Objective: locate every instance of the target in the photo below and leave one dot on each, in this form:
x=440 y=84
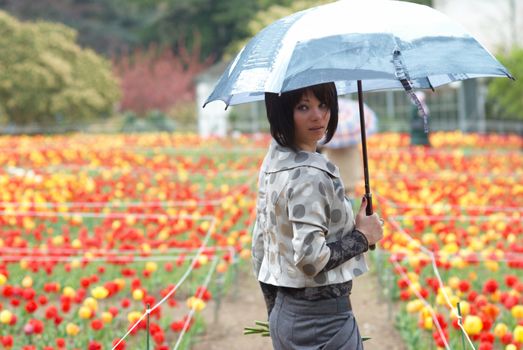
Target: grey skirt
x=313 y=325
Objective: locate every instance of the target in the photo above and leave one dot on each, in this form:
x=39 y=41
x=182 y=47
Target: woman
x=307 y=244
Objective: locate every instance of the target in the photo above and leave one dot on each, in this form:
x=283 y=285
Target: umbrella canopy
x=348 y=132
x=386 y=44
x=360 y=45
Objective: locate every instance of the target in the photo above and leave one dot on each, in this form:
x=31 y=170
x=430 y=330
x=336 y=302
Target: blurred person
x=308 y=244
x=344 y=148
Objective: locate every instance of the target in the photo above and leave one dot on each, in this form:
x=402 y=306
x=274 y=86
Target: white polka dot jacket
x=304 y=236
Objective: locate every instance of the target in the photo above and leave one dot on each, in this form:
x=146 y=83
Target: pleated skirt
x=313 y=325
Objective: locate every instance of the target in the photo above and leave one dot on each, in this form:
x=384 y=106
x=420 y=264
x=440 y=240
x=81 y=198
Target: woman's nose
x=318 y=113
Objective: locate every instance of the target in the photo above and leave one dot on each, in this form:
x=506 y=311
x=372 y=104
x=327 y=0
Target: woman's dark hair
x=280 y=111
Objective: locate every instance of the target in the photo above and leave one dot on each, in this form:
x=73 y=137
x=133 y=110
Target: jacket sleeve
x=308 y=210
x=351 y=245
x=257 y=248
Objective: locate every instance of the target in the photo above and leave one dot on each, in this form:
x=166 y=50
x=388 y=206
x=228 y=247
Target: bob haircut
x=280 y=112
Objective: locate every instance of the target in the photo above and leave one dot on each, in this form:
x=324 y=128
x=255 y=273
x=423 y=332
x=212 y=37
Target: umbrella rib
x=403 y=77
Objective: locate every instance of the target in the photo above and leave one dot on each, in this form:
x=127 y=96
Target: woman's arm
x=351 y=245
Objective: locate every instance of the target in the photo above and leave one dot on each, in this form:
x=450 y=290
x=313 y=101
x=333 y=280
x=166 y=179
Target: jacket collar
x=283 y=158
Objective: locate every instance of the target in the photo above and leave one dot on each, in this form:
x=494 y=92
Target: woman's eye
x=302 y=107
x=323 y=105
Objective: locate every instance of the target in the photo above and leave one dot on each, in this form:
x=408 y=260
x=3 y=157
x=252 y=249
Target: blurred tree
x=108 y=26
x=506 y=96
x=157 y=79
x=217 y=22
x=115 y=26
x=46 y=77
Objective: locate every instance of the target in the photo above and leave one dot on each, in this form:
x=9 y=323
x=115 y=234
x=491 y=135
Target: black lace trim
x=345 y=249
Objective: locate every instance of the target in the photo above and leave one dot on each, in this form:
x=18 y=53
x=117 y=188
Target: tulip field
x=119 y=241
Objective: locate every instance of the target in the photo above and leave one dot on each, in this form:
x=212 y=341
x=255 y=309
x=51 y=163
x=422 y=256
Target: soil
x=244 y=303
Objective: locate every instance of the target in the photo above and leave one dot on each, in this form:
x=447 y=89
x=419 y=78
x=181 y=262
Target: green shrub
x=505 y=95
x=46 y=78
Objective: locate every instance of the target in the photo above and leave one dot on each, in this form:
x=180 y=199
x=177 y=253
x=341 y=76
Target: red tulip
x=94 y=345
x=31 y=306
x=97 y=324
x=7 y=341
x=125 y=303
x=490 y=286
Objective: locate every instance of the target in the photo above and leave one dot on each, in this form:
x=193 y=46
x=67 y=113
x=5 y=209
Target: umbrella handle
x=368 y=195
x=369 y=211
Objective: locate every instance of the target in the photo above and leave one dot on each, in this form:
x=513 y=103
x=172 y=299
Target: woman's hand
x=371 y=226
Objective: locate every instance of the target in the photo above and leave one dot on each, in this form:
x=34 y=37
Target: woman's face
x=311 y=118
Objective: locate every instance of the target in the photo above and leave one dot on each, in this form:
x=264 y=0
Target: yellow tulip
x=245 y=239
x=23 y=264
x=138 y=294
x=492 y=265
x=196 y=304
x=133 y=316
x=85 y=312
x=120 y=282
x=130 y=220
x=205 y=225
x=72 y=329
x=58 y=240
x=116 y=224
x=76 y=263
x=511 y=347
x=76 y=243
x=69 y=292
x=146 y=248
x=245 y=254
x=414 y=305
x=3 y=279
x=518 y=333
x=500 y=330
x=427 y=323
x=464 y=306
x=517 y=312
x=91 y=303
x=5 y=316
x=99 y=292
x=203 y=259
x=27 y=282
x=222 y=267
x=107 y=317
x=151 y=266
x=473 y=324
x=495 y=297
x=454 y=282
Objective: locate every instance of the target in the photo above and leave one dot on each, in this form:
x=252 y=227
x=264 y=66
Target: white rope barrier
x=100 y=215
x=192 y=312
x=424 y=301
x=440 y=282
x=443 y=151
x=449 y=206
x=480 y=218
x=127 y=204
x=173 y=290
